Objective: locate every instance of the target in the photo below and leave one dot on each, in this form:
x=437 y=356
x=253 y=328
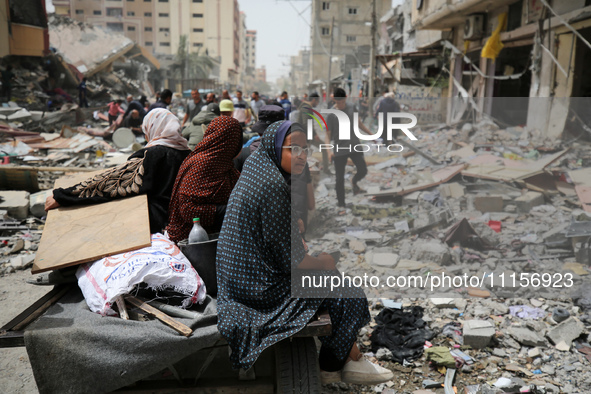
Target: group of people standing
x=244 y=192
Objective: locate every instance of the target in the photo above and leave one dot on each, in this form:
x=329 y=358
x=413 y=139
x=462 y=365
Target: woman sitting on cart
x=259 y=244
x=151 y=170
x=205 y=180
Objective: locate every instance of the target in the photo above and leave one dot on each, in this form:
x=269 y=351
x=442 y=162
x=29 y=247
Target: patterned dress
x=258 y=246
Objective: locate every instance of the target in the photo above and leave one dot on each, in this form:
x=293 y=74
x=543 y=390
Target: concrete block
x=37 y=203
x=529 y=200
x=478 y=333
x=431 y=250
x=566 y=332
x=526 y=337
x=21 y=115
x=488 y=203
x=453 y=190
x=15 y=202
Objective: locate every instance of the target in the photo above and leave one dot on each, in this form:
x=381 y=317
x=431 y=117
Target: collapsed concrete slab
x=15 y=202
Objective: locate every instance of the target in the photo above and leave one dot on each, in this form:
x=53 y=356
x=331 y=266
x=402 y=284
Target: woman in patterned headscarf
x=150 y=171
x=205 y=180
x=258 y=248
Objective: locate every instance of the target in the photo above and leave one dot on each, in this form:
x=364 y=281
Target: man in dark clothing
x=344 y=149
x=268 y=114
x=286 y=104
x=7 y=77
x=82 y=97
x=134 y=122
x=388 y=104
x=164 y=100
x=135 y=106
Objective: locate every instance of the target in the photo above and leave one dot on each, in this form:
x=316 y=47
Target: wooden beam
x=164 y=318
x=54 y=295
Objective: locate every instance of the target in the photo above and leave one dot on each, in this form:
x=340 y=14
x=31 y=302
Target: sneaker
x=365 y=372
x=330 y=377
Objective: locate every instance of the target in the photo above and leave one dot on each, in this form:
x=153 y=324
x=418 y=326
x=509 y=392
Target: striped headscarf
x=162 y=127
x=206 y=178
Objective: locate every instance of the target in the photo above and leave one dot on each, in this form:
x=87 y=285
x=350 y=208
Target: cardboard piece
x=76 y=235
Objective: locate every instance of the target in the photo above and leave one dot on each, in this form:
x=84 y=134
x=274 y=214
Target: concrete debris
x=478 y=333
x=16 y=203
x=526 y=337
x=566 y=332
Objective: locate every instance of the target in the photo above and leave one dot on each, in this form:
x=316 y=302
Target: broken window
x=27 y=12
x=115 y=26
x=116 y=12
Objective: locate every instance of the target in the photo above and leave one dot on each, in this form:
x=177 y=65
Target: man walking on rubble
x=164 y=100
x=82 y=97
x=256 y=104
x=193 y=106
x=343 y=149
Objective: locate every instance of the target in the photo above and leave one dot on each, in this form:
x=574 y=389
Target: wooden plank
x=31 y=309
x=164 y=318
x=76 y=235
x=41 y=310
x=12 y=339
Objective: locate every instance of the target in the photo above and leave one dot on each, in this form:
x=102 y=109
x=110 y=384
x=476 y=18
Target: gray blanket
x=73 y=350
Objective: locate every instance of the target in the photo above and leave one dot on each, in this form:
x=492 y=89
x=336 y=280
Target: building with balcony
x=541 y=64
x=25 y=32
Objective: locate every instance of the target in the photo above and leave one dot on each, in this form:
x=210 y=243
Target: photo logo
x=392 y=120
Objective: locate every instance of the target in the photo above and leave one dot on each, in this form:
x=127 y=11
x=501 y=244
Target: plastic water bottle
x=198 y=233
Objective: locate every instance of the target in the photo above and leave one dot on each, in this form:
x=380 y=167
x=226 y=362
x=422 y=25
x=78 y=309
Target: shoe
x=356 y=189
x=365 y=372
x=330 y=377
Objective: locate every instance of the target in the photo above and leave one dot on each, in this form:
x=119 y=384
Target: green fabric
x=194 y=132
x=440 y=355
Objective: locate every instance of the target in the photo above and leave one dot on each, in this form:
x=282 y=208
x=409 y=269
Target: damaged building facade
x=25 y=32
x=529 y=52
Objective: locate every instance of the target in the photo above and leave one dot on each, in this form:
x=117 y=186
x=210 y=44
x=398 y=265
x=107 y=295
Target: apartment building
x=351 y=35
x=211 y=26
x=24 y=32
x=542 y=64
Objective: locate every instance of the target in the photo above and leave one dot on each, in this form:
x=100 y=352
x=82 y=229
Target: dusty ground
x=16 y=376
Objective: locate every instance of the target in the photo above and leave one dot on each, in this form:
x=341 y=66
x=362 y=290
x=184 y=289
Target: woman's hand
x=328 y=262
x=50 y=203
x=301 y=226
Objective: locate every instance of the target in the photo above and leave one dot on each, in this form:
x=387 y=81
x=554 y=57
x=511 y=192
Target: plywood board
x=76 y=235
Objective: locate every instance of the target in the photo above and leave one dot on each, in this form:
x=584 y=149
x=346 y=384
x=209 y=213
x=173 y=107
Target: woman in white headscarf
x=151 y=171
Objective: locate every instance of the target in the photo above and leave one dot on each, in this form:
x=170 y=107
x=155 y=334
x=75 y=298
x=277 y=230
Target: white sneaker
x=365 y=372
x=330 y=377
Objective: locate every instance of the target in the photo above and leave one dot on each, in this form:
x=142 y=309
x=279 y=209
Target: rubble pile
x=516 y=205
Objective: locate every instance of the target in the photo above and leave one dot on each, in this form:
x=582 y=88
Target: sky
x=281 y=33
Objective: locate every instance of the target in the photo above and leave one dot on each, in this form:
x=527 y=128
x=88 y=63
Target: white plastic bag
x=159 y=266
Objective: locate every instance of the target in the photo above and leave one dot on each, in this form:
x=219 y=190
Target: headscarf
x=206 y=178
x=258 y=245
x=162 y=127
